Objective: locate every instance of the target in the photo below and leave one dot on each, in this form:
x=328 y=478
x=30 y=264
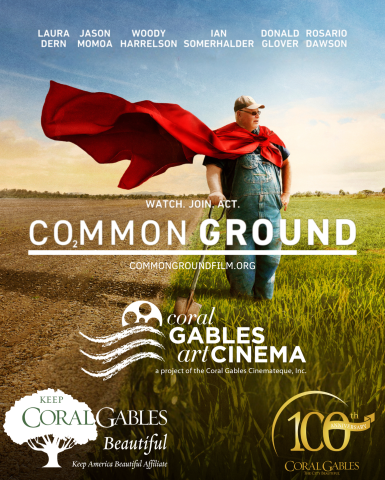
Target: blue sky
x=319 y=100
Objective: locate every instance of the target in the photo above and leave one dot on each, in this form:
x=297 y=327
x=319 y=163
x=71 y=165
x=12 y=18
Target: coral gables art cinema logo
x=194 y=330
x=50 y=421
x=304 y=427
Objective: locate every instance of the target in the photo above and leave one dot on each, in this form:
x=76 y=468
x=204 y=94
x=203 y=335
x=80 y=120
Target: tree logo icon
x=50 y=421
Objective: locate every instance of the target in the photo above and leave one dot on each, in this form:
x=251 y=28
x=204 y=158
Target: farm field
x=219 y=424
x=46 y=301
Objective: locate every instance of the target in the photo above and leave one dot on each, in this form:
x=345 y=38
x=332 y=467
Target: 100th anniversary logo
x=313 y=431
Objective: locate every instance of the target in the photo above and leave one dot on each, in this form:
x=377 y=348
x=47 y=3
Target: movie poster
x=132 y=347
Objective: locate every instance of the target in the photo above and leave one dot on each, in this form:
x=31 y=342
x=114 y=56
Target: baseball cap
x=245 y=101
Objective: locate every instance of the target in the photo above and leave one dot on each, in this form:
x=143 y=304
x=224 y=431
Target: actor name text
x=155 y=38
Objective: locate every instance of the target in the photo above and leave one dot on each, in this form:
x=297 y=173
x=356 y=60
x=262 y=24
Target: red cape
x=154 y=136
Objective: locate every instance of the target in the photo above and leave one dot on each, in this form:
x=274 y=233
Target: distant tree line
x=317 y=193
x=21 y=193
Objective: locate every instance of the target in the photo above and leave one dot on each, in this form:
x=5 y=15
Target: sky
x=327 y=104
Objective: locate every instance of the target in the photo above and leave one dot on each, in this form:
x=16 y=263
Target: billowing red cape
x=154 y=136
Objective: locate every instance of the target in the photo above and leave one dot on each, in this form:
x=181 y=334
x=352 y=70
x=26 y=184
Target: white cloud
x=54 y=166
x=328 y=154
x=20 y=75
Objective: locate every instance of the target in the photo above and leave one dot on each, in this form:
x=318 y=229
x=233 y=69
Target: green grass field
x=219 y=425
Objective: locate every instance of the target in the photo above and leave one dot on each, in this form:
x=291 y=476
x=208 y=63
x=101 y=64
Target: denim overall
x=257 y=189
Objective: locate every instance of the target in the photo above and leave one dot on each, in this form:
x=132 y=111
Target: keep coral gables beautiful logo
x=50 y=421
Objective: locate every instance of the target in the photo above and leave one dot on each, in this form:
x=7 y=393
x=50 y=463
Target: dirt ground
x=46 y=300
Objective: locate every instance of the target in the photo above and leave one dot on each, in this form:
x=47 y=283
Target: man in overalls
x=254 y=182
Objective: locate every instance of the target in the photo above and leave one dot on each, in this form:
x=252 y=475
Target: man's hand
x=213 y=175
x=286 y=183
x=216 y=197
x=285 y=198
